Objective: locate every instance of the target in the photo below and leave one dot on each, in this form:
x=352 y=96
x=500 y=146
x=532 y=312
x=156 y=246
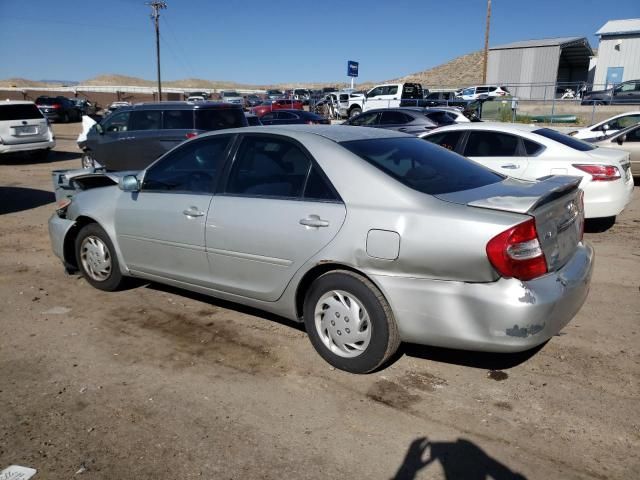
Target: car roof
x=16 y=102
x=336 y=133
x=495 y=126
x=182 y=106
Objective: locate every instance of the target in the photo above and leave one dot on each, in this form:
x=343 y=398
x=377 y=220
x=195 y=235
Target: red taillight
x=600 y=173
x=56 y=105
x=191 y=134
x=517 y=252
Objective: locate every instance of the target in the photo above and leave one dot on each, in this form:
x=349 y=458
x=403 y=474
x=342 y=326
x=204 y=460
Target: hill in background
x=459 y=72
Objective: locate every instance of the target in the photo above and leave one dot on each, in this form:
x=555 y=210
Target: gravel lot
x=159 y=383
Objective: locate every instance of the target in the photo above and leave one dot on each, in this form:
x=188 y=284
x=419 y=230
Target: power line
x=156 y=6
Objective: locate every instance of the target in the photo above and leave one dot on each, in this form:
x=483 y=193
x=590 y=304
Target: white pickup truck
x=387 y=95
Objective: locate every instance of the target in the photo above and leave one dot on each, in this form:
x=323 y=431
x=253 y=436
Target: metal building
x=618 y=52
x=532 y=68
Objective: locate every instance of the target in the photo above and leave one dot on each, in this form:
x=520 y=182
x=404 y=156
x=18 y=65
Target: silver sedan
x=369 y=237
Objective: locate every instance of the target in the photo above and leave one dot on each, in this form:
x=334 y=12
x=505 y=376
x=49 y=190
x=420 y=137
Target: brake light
x=600 y=173
x=517 y=252
x=55 y=105
x=191 y=134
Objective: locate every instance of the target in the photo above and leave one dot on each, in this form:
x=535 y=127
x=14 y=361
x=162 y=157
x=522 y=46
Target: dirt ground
x=157 y=383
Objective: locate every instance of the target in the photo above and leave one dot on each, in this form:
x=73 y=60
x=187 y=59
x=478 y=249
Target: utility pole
x=486 y=43
x=156 y=6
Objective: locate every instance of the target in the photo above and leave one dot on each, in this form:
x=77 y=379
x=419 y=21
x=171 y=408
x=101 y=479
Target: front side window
x=191 y=168
x=268 y=167
x=375 y=92
x=117 y=122
x=286 y=116
x=624 y=122
x=365 y=119
x=421 y=165
x=145 y=120
x=268 y=116
x=491 y=144
x=392 y=90
x=468 y=91
x=633 y=135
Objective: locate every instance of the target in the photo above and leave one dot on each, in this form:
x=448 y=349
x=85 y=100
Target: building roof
x=543 y=42
x=620 y=27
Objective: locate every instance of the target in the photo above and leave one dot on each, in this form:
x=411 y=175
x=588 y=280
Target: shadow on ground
x=461 y=459
x=17 y=199
x=33 y=159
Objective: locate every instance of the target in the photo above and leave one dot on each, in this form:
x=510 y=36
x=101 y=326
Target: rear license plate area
x=26 y=130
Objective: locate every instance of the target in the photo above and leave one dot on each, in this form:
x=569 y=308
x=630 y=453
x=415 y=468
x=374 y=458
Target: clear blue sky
x=262 y=42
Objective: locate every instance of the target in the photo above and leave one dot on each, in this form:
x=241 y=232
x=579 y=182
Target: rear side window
x=268 y=167
x=318 y=188
x=441 y=118
x=421 y=165
x=391 y=117
x=532 y=148
x=412 y=91
x=448 y=140
x=145 y=120
x=25 y=111
x=209 y=119
x=566 y=140
x=491 y=144
x=365 y=119
x=178 y=120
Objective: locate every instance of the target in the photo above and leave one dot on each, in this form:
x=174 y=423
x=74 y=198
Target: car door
x=276 y=211
x=177 y=126
x=501 y=152
x=631 y=144
x=375 y=98
x=161 y=228
x=143 y=142
x=626 y=93
x=451 y=140
x=107 y=143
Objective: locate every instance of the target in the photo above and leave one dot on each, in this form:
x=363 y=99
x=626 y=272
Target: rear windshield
x=26 y=111
x=570 y=142
x=219 y=119
x=47 y=100
x=412 y=91
x=422 y=165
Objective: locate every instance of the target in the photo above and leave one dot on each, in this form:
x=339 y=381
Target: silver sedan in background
x=368 y=236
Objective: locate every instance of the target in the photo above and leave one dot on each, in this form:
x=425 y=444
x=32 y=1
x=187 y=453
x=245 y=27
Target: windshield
x=421 y=165
x=566 y=140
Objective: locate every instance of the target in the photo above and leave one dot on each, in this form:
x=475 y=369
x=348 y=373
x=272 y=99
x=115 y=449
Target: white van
x=23 y=128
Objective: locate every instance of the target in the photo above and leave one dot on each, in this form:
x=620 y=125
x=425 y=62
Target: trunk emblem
x=24 y=122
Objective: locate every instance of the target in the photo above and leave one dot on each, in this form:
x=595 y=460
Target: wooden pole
x=486 y=43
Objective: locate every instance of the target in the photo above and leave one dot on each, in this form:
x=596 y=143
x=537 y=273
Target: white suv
x=23 y=128
x=473 y=93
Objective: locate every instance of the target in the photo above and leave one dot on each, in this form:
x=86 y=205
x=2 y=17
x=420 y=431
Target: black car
x=623 y=93
x=409 y=120
x=133 y=137
x=59 y=109
x=292 y=117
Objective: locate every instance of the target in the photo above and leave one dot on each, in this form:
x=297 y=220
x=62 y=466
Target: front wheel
x=349 y=322
x=354 y=112
x=96 y=258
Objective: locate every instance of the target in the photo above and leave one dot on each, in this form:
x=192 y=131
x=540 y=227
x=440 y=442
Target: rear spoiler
x=513 y=195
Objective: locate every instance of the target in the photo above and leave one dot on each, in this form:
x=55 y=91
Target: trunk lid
x=22 y=123
x=554 y=202
x=612 y=156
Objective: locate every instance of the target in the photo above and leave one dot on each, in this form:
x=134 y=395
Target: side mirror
x=129 y=183
x=621 y=139
x=99 y=129
x=605 y=127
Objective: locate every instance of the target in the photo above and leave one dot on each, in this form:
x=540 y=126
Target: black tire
x=384 y=337
x=114 y=280
x=65 y=118
x=354 y=112
x=599 y=225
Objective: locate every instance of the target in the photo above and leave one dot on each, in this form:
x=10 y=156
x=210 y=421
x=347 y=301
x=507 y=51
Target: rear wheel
x=349 y=322
x=96 y=258
x=354 y=111
x=65 y=118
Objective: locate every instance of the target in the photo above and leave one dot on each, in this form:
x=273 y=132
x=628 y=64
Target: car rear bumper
x=606 y=199
x=58 y=229
x=27 y=147
x=507 y=315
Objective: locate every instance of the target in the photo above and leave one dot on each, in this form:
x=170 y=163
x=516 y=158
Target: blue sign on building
x=352 y=68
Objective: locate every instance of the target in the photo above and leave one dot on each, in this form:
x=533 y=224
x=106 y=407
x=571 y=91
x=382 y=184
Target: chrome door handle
x=511 y=166
x=193 y=212
x=314 y=221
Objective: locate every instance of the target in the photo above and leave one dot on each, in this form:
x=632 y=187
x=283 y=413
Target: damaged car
x=369 y=237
